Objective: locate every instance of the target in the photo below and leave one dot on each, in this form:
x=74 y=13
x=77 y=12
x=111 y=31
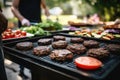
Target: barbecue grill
x=60 y=70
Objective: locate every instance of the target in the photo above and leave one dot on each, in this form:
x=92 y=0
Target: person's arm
x=15 y=10
x=43 y=4
x=17 y=14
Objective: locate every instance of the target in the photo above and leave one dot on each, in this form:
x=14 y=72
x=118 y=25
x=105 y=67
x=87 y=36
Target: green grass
x=63 y=19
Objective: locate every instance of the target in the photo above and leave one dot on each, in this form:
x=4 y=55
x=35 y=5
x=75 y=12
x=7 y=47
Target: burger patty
x=113 y=48
x=61 y=55
x=91 y=44
x=24 y=45
x=41 y=50
x=76 y=40
x=76 y=48
x=59 y=44
x=44 y=41
x=57 y=38
x=99 y=53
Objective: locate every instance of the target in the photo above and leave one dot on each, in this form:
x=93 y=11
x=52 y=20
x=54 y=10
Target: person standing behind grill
x=3 y=26
x=28 y=11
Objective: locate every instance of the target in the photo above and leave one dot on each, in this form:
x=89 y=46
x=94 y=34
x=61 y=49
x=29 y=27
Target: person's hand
x=25 y=22
x=47 y=12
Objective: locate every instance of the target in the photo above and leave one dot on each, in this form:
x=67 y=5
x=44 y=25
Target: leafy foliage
x=109 y=9
x=53 y=3
x=42 y=28
x=50 y=25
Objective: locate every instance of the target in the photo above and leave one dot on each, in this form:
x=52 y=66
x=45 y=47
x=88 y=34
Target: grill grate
x=108 y=64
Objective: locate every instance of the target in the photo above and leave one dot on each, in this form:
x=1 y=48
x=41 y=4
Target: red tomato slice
x=23 y=33
x=88 y=63
x=8 y=30
x=3 y=37
x=18 y=31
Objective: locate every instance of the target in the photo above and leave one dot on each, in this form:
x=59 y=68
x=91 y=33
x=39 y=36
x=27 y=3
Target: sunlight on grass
x=63 y=19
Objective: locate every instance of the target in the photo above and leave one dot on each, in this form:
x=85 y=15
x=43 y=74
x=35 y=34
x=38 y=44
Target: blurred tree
x=59 y=3
x=53 y=3
x=109 y=9
x=81 y=8
x=75 y=7
x=0 y=2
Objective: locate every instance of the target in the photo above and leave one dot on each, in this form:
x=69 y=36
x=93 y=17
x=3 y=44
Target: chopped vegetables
x=94 y=33
x=50 y=25
x=8 y=34
x=34 y=30
x=42 y=28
